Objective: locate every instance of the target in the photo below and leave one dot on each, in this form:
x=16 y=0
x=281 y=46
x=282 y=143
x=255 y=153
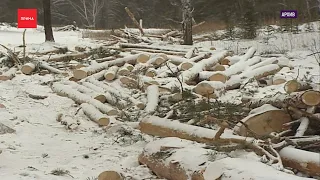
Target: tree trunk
x=187 y=22
x=47 y=20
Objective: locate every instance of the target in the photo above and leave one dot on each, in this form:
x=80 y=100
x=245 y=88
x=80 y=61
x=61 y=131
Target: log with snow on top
x=282 y=76
x=128 y=45
x=28 y=68
x=262 y=121
x=190 y=53
x=295 y=85
x=242 y=65
x=304 y=161
x=217 y=67
x=111 y=73
x=68 y=91
x=210 y=89
x=258 y=73
x=190 y=62
x=117 y=92
x=177 y=60
x=83 y=89
x=184 y=160
x=46 y=66
x=87 y=71
x=263 y=62
x=109 y=98
x=123 y=71
x=230 y=60
x=95 y=115
x=129 y=82
x=9 y=74
x=213 y=76
x=130 y=67
x=153 y=51
x=303 y=99
x=169 y=34
x=158 y=59
x=152 y=98
x=189 y=75
x=162 y=127
x=167 y=70
x=304 y=122
x=151 y=72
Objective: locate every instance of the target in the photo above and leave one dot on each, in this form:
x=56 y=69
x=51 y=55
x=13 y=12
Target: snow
x=237 y=168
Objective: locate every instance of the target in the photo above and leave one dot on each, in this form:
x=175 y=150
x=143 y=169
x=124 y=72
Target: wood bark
x=47 y=20
x=187 y=22
x=95 y=115
x=111 y=73
x=67 y=91
x=28 y=68
x=152 y=98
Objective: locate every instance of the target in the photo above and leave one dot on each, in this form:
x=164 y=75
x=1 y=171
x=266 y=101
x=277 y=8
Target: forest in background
x=218 y=14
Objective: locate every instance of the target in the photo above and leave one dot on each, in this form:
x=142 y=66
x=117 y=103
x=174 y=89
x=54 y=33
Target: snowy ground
x=41 y=144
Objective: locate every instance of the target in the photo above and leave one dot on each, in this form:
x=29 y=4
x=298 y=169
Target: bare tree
x=187 y=22
x=88 y=10
x=47 y=20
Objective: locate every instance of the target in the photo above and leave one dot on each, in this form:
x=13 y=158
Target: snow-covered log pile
x=174 y=90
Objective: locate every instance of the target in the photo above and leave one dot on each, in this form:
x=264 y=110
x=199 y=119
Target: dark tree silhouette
x=47 y=20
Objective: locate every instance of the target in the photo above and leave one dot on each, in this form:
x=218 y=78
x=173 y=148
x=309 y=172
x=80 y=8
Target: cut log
x=304 y=123
x=8 y=75
x=109 y=98
x=263 y=62
x=95 y=115
x=151 y=72
x=230 y=60
x=111 y=73
x=143 y=58
x=151 y=51
x=258 y=73
x=83 y=89
x=114 y=91
x=152 y=98
x=129 y=82
x=262 y=121
x=208 y=88
x=177 y=159
x=123 y=71
x=169 y=34
x=304 y=161
x=186 y=65
x=87 y=71
x=161 y=127
x=302 y=99
x=200 y=66
x=128 y=45
x=242 y=65
x=175 y=165
x=158 y=60
x=190 y=53
x=28 y=68
x=130 y=67
x=110 y=175
x=281 y=77
x=190 y=62
x=295 y=85
x=46 y=66
x=218 y=67
x=67 y=91
x=218 y=76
